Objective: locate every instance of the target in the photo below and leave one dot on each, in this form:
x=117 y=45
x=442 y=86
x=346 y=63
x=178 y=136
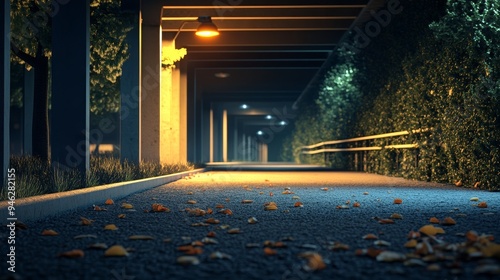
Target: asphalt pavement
x=221 y=225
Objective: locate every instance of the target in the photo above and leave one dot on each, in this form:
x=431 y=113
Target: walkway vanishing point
x=218 y=219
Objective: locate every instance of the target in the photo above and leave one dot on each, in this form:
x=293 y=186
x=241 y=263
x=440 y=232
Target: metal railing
x=360 y=145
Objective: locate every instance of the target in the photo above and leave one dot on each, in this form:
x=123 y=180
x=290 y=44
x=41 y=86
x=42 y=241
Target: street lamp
x=206 y=29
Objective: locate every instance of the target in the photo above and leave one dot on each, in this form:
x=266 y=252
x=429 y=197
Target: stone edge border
x=42 y=206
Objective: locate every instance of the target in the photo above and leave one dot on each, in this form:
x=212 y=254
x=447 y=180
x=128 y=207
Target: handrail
x=363 y=138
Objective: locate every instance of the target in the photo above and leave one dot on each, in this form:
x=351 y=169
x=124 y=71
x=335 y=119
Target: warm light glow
x=222 y=75
x=207 y=29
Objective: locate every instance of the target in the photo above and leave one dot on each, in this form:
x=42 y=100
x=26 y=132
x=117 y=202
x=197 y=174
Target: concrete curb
x=41 y=206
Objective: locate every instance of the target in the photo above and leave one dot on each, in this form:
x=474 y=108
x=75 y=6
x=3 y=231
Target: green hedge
x=430 y=68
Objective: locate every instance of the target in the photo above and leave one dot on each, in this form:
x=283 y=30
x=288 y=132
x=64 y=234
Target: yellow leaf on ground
x=449 y=221
x=109 y=201
x=127 y=205
x=315 y=261
x=474 y=198
x=270 y=252
x=370 y=236
x=396 y=216
x=431 y=230
x=73 y=254
x=356 y=204
x=398 y=201
x=434 y=220
x=298 y=204
x=191 y=201
x=157 y=207
x=411 y=244
x=116 y=251
x=110 y=227
x=121 y=216
x=85 y=221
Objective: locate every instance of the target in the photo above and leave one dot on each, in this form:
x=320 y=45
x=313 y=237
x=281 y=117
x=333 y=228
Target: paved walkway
x=298 y=239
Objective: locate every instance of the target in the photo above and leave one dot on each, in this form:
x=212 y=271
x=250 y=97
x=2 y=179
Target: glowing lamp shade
x=207 y=29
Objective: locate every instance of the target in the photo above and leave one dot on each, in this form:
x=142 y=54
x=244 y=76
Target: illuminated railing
x=360 y=145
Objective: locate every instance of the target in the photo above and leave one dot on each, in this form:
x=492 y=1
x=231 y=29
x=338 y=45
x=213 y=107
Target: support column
x=130 y=90
x=150 y=106
x=183 y=107
x=211 y=134
x=28 y=99
x=224 y=135
x=70 y=85
x=5 y=80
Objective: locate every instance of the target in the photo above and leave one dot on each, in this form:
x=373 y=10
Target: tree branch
x=22 y=55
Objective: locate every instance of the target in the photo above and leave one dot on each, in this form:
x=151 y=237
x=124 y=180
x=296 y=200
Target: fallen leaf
x=365 y=193
x=270 y=206
x=190 y=250
x=471 y=236
x=413 y=235
x=121 y=216
x=85 y=221
x=298 y=204
x=226 y=211
x=370 y=236
x=234 y=231
x=287 y=192
x=212 y=221
x=343 y=206
x=127 y=205
x=381 y=243
x=188 y=260
x=270 y=252
x=246 y=201
x=385 y=221
x=295 y=197
x=157 y=207
x=411 y=243
x=448 y=221
x=315 y=261
x=110 y=227
x=98 y=208
x=73 y=254
x=191 y=201
x=116 y=251
x=398 y=201
x=356 y=204
x=430 y=230
x=219 y=206
x=109 y=201
x=324 y=189
x=370 y=252
x=396 y=216
x=476 y=185
x=141 y=237
x=49 y=232
x=208 y=240
x=482 y=205
x=252 y=220
x=434 y=220
x=474 y=198
x=211 y=234
x=337 y=246
x=459 y=183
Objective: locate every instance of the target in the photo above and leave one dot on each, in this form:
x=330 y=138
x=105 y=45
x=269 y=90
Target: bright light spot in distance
x=244 y=106
x=260 y=132
x=282 y=123
x=269 y=117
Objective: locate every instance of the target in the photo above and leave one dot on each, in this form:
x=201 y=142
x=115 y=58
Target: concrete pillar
x=28 y=99
x=224 y=135
x=130 y=90
x=211 y=134
x=5 y=103
x=183 y=105
x=150 y=106
x=70 y=85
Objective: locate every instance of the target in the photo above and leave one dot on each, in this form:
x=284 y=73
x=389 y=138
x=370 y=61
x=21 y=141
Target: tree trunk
x=40 y=106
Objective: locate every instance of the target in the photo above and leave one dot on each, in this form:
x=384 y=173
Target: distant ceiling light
x=260 y=132
x=207 y=28
x=244 y=106
x=269 y=117
x=282 y=123
x=222 y=75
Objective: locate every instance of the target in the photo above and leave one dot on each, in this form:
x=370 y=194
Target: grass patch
x=36 y=177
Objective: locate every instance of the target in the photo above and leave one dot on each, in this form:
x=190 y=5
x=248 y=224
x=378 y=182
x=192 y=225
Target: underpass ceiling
x=272 y=50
